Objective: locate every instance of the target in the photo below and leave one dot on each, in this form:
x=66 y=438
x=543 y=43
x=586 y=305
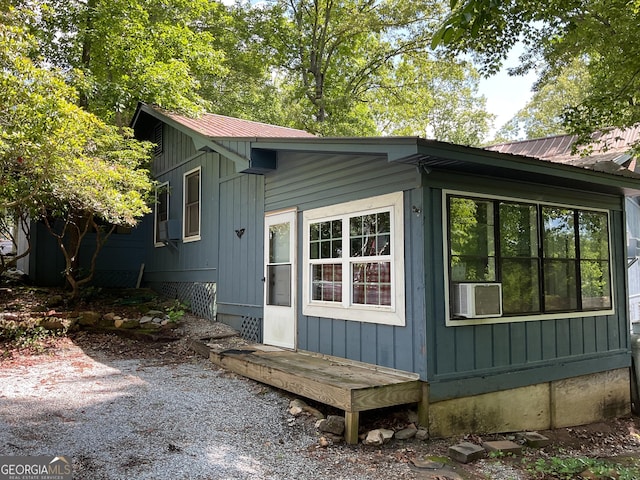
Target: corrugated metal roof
x=606 y=146
x=219 y=126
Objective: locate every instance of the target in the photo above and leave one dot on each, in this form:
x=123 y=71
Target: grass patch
x=26 y=337
x=583 y=468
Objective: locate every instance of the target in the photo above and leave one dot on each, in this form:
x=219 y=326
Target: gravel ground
x=125 y=409
x=161 y=415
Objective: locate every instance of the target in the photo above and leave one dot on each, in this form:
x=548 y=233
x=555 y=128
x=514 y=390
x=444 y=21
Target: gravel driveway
x=154 y=414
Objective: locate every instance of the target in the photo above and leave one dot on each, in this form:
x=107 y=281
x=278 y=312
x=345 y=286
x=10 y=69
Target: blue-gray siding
x=192 y=261
x=468 y=360
x=307 y=181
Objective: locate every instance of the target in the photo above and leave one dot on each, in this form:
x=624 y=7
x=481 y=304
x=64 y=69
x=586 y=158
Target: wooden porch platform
x=350 y=386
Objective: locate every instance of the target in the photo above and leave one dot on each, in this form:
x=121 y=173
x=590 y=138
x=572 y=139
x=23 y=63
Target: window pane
x=520 y=286
x=369 y=235
x=162 y=202
x=470 y=269
x=192 y=224
x=371 y=283
x=559 y=233
x=596 y=285
x=560 y=285
x=325 y=239
x=471 y=227
x=279 y=243
x=472 y=242
x=193 y=188
x=594 y=236
x=326 y=282
x=518 y=230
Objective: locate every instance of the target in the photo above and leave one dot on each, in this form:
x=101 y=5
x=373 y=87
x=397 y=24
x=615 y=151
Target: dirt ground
x=615 y=442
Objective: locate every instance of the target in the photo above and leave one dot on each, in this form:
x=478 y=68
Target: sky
x=506 y=94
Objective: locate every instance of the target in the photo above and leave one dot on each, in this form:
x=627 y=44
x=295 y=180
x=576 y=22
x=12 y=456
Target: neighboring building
x=500 y=279
x=611 y=152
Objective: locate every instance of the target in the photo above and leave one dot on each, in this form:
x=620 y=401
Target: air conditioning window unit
x=477 y=300
x=168 y=230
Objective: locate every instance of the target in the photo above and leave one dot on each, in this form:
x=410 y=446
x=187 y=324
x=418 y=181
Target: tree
x=60 y=163
x=602 y=32
x=433 y=98
x=543 y=115
x=335 y=52
x=132 y=50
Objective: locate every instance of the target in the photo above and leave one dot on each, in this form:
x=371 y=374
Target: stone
x=406 y=433
x=332 y=424
x=535 y=440
x=145 y=319
x=378 y=437
x=89 y=318
x=165 y=322
x=422 y=434
x=466 y=452
x=52 y=323
x=295 y=411
x=503 y=446
x=126 y=323
x=299 y=406
x=154 y=313
x=9 y=316
x=55 y=300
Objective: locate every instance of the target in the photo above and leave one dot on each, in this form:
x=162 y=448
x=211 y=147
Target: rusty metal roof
x=220 y=126
x=606 y=146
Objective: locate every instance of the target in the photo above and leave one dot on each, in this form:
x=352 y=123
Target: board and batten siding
x=195 y=261
x=241 y=205
x=475 y=359
x=307 y=181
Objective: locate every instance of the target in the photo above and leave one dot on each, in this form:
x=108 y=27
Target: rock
x=332 y=424
x=298 y=406
x=164 y=323
x=55 y=300
x=89 y=318
x=378 y=437
x=407 y=433
x=503 y=446
x=295 y=411
x=154 y=313
x=535 y=440
x=9 y=316
x=53 y=323
x=323 y=442
x=145 y=319
x=466 y=452
x=126 y=323
x=422 y=434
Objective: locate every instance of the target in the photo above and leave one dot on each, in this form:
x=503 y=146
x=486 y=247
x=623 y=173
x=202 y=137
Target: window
x=191 y=206
x=161 y=213
x=548 y=259
x=354 y=261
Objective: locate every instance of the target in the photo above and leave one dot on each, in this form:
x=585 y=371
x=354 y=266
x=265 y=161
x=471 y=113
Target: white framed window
x=539 y=260
x=161 y=212
x=192 y=206
x=353 y=263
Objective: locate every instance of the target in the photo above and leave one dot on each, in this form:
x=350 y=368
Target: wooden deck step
x=348 y=385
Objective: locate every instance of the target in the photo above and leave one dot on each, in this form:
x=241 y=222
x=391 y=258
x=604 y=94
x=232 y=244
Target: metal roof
x=220 y=126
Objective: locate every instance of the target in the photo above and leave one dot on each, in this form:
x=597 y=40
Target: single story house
x=499 y=279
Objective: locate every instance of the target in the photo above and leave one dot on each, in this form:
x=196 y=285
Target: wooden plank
x=351 y=421
x=306 y=387
x=386 y=396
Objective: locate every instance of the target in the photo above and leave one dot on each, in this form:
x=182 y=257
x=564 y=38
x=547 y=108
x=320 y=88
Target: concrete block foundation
x=563 y=403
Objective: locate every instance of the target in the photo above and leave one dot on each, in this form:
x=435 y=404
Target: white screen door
x=280 y=279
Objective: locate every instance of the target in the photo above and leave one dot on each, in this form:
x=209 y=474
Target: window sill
x=452 y=322
x=363 y=314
